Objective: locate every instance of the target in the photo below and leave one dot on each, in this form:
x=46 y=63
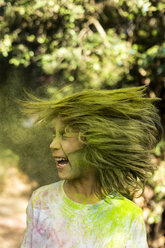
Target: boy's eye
x=62 y=134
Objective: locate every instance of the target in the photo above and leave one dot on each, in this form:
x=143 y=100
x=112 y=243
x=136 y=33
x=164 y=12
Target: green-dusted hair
x=119 y=129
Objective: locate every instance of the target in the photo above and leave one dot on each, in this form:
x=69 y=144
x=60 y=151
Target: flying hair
x=119 y=129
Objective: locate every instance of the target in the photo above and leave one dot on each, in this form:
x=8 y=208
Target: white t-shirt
x=55 y=221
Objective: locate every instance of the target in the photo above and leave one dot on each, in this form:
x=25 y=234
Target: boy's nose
x=54 y=144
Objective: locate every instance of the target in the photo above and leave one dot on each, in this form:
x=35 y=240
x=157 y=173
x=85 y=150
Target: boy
x=101 y=146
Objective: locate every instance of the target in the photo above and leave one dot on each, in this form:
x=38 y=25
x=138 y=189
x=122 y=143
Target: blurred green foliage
x=65 y=37
x=84 y=41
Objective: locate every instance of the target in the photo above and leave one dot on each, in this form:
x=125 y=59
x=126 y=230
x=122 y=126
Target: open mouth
x=61 y=163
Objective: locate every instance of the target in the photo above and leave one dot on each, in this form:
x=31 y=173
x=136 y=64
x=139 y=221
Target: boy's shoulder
x=48 y=187
x=124 y=206
x=42 y=193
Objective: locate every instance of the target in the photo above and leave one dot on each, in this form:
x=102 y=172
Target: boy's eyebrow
x=61 y=130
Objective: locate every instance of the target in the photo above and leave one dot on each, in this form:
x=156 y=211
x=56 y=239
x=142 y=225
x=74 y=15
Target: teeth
x=59 y=159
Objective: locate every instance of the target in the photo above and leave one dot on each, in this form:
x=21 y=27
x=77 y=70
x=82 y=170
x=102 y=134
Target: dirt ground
x=15 y=192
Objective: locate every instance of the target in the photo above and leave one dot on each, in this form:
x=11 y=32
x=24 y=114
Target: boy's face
x=68 y=146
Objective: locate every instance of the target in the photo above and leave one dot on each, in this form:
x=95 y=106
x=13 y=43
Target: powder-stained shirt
x=56 y=221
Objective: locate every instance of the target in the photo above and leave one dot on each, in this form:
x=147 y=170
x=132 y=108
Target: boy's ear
x=82 y=138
